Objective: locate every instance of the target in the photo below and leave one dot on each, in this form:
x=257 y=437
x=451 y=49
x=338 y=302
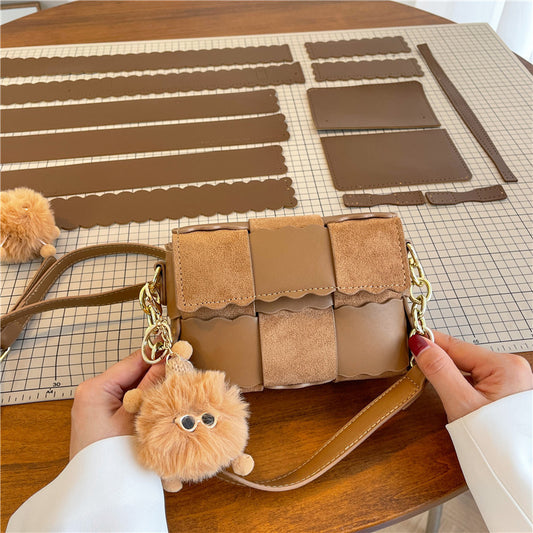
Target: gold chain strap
x=157 y=341
x=418 y=303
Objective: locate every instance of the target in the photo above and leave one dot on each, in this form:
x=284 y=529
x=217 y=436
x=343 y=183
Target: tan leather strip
x=14 y=322
x=392 y=159
x=395 y=198
x=466 y=113
x=69 y=145
x=51 y=66
x=356 y=431
x=484 y=194
x=358 y=70
x=136 y=173
x=157 y=84
x=367 y=107
x=174 y=203
x=357 y=47
x=138 y=111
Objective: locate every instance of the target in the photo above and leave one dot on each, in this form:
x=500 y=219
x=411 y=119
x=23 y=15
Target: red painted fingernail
x=417 y=344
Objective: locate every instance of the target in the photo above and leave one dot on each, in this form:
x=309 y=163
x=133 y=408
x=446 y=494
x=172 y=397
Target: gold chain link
x=157 y=340
x=418 y=303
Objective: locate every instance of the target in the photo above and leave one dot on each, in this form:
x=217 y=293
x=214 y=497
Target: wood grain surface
x=408 y=466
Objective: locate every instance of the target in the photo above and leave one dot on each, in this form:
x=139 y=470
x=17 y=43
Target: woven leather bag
x=281 y=302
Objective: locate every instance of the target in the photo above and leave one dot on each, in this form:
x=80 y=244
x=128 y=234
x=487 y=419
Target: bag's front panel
x=294 y=300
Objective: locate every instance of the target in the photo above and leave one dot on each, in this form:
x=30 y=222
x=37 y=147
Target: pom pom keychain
x=191 y=425
x=27 y=226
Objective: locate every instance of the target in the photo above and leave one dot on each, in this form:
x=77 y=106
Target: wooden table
x=407 y=467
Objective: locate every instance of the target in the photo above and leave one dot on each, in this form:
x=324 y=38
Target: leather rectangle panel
x=157 y=84
x=212 y=269
x=64 y=180
x=357 y=47
x=292 y=262
x=138 y=111
x=391 y=159
x=298 y=348
x=53 y=146
x=371 y=340
x=52 y=66
x=369 y=255
x=289 y=304
x=359 y=70
x=229 y=345
x=367 y=107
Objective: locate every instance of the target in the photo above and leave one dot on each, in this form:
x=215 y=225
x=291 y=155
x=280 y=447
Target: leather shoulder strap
x=397 y=397
x=31 y=302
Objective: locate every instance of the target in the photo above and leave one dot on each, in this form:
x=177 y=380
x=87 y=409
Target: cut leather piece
x=391 y=159
x=484 y=194
x=53 y=66
x=466 y=113
x=140 y=206
x=357 y=47
x=298 y=347
x=298 y=221
x=395 y=198
x=312 y=301
x=157 y=84
x=363 y=297
x=367 y=107
x=371 y=340
x=228 y=345
x=369 y=255
x=69 y=145
x=292 y=262
x=230 y=312
x=138 y=111
x=359 y=70
x=103 y=176
x=212 y=269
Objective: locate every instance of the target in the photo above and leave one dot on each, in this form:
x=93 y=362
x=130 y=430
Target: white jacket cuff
x=495 y=449
x=103 y=488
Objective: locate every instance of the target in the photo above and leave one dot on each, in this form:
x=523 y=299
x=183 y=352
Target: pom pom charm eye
x=188 y=423
x=209 y=420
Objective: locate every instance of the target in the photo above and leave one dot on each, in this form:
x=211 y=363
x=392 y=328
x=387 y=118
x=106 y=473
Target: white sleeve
x=495 y=448
x=103 y=488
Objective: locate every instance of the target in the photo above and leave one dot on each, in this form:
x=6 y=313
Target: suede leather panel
x=298 y=347
x=292 y=262
x=281 y=222
x=371 y=340
x=213 y=269
x=228 y=345
x=369 y=255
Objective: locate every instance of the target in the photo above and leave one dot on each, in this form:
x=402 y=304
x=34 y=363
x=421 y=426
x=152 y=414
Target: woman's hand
x=97 y=412
x=494 y=375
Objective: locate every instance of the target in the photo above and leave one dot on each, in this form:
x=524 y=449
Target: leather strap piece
x=51 y=66
x=42 y=147
x=30 y=303
x=466 y=113
x=395 y=198
x=174 y=203
x=65 y=180
x=57 y=117
x=357 y=47
x=359 y=70
x=484 y=194
x=397 y=397
x=160 y=83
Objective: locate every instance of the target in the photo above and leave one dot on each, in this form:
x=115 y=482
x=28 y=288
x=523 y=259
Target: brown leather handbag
x=280 y=302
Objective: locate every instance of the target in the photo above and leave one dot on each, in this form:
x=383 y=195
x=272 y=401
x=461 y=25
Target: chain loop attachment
x=418 y=303
x=157 y=341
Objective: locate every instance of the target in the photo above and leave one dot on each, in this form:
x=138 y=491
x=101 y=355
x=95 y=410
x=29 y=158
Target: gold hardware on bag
x=157 y=339
x=418 y=303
